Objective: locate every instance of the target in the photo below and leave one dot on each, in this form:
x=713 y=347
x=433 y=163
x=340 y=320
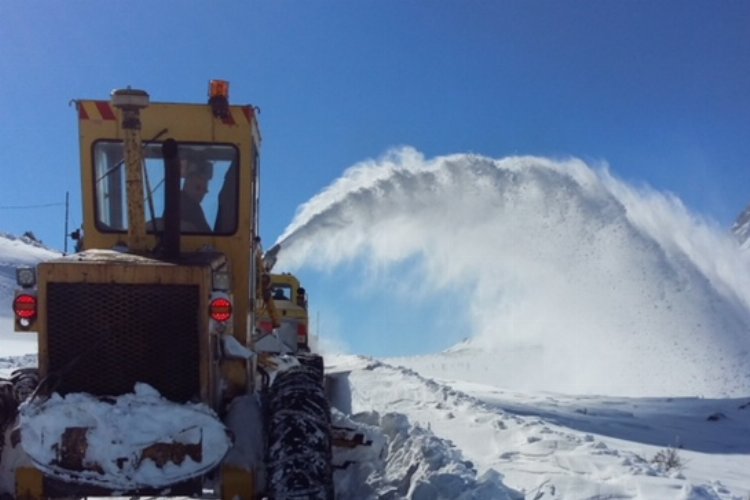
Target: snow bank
x=409 y=462
x=548 y=445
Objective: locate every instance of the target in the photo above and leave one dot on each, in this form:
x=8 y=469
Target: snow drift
x=582 y=282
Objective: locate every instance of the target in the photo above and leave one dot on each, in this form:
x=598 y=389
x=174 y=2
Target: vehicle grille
x=103 y=338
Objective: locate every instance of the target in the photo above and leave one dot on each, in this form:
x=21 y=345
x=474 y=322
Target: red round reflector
x=25 y=306
x=302 y=334
x=220 y=309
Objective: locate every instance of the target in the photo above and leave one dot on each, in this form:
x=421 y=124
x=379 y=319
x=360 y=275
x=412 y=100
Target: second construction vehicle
x=164 y=367
x=284 y=316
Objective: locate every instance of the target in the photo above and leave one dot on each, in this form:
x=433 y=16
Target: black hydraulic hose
x=171 y=241
x=121 y=162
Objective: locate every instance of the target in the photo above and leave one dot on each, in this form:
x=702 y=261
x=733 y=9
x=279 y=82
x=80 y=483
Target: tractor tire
x=8 y=403
x=13 y=392
x=298 y=462
x=8 y=406
x=25 y=382
x=313 y=361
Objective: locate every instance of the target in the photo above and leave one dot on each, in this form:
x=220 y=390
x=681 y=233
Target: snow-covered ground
x=550 y=445
x=438 y=436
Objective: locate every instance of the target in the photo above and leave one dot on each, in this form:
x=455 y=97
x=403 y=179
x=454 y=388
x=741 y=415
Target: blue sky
x=659 y=90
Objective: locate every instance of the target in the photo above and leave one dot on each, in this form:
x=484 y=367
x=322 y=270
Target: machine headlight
x=25 y=277
x=221 y=280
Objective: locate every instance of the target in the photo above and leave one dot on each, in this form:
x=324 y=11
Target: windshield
x=208 y=180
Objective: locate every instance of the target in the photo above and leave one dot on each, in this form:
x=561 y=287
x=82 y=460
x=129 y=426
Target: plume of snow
x=741 y=229
x=612 y=287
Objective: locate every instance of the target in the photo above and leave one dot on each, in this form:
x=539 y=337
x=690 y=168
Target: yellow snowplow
x=155 y=375
x=283 y=312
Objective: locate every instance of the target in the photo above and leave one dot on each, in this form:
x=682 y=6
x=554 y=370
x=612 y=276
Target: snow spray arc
x=620 y=283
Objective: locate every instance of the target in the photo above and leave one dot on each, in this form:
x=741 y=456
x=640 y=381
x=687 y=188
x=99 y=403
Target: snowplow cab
x=285 y=312
x=156 y=313
x=139 y=160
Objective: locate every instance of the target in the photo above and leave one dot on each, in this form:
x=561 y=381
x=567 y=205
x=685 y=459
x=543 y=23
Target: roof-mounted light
x=218 y=88
x=218 y=98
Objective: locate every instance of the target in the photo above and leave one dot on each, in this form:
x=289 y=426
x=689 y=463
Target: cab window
x=281 y=291
x=209 y=184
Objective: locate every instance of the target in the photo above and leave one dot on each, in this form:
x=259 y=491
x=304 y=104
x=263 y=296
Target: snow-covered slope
x=569 y=279
x=16 y=252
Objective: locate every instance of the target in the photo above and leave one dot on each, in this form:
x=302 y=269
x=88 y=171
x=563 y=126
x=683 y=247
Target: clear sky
x=658 y=90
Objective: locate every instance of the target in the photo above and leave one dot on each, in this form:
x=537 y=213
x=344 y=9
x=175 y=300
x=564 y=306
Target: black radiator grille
x=103 y=338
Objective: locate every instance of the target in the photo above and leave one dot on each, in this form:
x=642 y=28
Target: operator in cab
x=196 y=175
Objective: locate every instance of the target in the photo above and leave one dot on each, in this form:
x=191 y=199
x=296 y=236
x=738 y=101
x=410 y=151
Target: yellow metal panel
x=237 y=483
x=137 y=271
x=184 y=123
x=128 y=269
x=29 y=484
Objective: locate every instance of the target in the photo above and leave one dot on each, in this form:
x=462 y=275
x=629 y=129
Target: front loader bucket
x=132 y=442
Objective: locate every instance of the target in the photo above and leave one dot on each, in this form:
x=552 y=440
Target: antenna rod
x=67 y=211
